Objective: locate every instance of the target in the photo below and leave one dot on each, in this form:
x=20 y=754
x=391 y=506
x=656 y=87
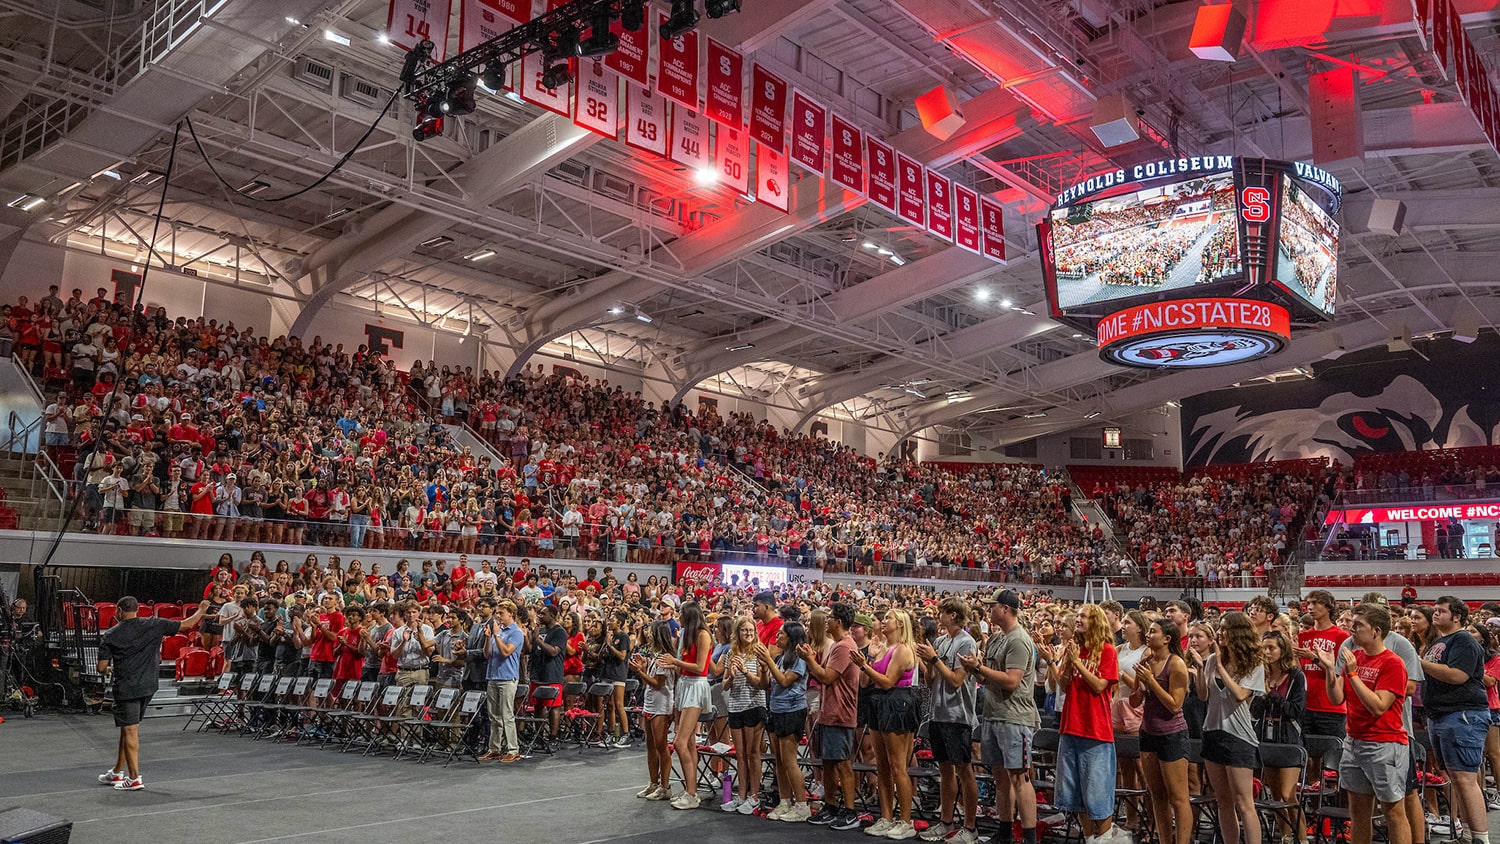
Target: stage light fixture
x=557 y=76
x=684 y=19
x=565 y=41
x=460 y=98
x=493 y=76
x=601 y=42
x=719 y=8
x=429 y=120
x=633 y=15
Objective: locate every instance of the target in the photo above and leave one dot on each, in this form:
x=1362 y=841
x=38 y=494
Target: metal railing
x=1467 y=491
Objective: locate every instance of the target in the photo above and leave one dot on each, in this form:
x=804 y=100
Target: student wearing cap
x=1010 y=716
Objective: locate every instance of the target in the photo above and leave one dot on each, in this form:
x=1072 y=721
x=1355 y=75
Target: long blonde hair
x=1096 y=632
x=903 y=629
x=736 y=646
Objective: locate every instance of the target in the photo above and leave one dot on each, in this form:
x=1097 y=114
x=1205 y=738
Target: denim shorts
x=1458 y=738
x=1086 y=776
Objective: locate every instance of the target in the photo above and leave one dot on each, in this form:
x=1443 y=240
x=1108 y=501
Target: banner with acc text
x=677 y=68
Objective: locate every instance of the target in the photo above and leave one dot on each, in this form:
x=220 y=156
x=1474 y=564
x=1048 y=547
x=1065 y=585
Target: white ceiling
x=582 y=224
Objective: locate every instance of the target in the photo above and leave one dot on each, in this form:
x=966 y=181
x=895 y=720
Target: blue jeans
x=357 y=527
x=1086 y=776
x=1458 y=738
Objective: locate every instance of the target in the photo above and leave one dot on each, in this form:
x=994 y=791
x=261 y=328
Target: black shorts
x=952 y=744
x=319 y=670
x=1224 y=749
x=755 y=716
x=211 y=628
x=866 y=707
x=787 y=723
x=1168 y=748
x=1323 y=724
x=129 y=712
x=897 y=711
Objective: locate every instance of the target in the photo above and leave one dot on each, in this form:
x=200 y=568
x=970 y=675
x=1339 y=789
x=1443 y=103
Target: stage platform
x=219 y=789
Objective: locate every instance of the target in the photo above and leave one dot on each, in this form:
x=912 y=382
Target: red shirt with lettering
x=1327 y=641
x=1383 y=672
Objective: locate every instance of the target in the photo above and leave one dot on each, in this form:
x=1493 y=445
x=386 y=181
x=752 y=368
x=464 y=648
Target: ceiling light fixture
x=341 y=40
x=383 y=38
x=981 y=294
x=616 y=310
x=601 y=42
x=435 y=242
x=339 y=213
x=492 y=77
x=27 y=201
x=1041 y=414
x=252 y=187
x=1005 y=303
x=633 y=15
x=719 y=8
x=684 y=19
x=740 y=348
x=1174 y=403
x=706 y=176
x=1092 y=415
x=481 y=255
x=113 y=174
x=642 y=315
x=898 y=260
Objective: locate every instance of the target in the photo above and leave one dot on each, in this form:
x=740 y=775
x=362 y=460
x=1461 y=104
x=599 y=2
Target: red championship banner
x=772 y=179
x=991 y=229
x=677 y=68
x=689 y=139
x=725 y=104
x=809 y=133
x=645 y=121
x=597 y=106
x=848 y=155
x=966 y=218
x=481 y=20
x=732 y=158
x=882 y=163
x=410 y=22
x=633 y=58
x=939 y=206
x=767 y=109
x=911 y=182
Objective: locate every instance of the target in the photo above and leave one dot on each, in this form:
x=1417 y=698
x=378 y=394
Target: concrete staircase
x=36 y=506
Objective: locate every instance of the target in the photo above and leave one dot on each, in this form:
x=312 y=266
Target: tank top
x=1156 y=720
x=690 y=656
x=885 y=661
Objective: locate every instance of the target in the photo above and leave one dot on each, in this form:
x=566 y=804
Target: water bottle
x=726 y=787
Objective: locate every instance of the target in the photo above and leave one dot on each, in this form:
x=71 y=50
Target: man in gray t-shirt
x=1008 y=669
x=951 y=731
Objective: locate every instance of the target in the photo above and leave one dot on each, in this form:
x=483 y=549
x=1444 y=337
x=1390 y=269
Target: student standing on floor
x=1233 y=674
x=133 y=649
x=1011 y=716
x=1088 y=669
x=951 y=729
x=1458 y=709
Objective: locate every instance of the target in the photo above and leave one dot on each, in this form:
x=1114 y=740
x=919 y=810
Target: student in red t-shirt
x=1371 y=686
x=1323 y=717
x=1089 y=667
x=349 y=663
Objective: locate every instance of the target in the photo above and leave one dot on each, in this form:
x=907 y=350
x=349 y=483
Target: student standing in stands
x=133 y=649
x=1322 y=718
x=1011 y=716
x=692 y=697
x=1162 y=687
x=951 y=728
x=839 y=676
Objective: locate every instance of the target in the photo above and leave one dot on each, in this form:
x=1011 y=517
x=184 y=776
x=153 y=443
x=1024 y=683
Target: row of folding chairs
x=420 y=721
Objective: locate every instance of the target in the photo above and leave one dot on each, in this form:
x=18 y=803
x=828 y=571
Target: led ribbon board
x=1192 y=333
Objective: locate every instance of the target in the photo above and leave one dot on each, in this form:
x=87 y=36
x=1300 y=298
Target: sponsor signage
x=1190 y=333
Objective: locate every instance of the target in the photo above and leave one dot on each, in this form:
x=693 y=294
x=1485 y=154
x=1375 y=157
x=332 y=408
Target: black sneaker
x=847 y=819
x=824 y=816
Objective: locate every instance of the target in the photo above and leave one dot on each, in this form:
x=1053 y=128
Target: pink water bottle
x=726 y=787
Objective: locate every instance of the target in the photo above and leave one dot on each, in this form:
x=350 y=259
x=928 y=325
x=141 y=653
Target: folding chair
x=204 y=706
x=453 y=732
x=1268 y=806
x=1327 y=807
x=246 y=709
x=291 y=700
x=416 y=700
x=588 y=726
x=306 y=715
x=538 y=728
x=233 y=706
x=259 y=712
x=1129 y=747
x=1205 y=807
x=364 y=727
x=419 y=732
x=358 y=700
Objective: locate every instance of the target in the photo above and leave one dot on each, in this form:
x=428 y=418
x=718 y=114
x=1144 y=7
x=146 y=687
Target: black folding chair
x=538 y=727
x=453 y=732
x=1268 y=806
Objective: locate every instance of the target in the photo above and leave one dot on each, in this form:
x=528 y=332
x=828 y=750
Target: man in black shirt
x=1458 y=709
x=548 y=643
x=133 y=648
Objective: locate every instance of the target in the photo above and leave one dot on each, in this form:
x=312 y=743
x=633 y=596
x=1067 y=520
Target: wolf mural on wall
x=1367 y=402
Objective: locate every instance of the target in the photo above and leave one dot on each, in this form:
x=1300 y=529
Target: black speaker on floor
x=23 y=826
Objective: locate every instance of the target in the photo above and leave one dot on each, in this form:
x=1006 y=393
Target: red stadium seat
x=215 y=662
x=144 y=611
x=172 y=611
x=193 y=663
x=172 y=647
x=106 y=614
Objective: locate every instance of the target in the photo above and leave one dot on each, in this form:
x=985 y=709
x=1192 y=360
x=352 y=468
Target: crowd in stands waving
x=192 y=428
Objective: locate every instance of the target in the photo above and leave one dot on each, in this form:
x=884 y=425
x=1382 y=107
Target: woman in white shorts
x=655 y=670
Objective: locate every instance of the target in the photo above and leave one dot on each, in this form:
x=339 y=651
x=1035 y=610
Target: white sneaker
x=936 y=832
x=1120 y=835
x=660 y=792
x=964 y=836
x=901 y=830
x=128 y=784
x=780 y=811
x=732 y=805
x=748 y=806
x=879 y=827
x=685 y=801
x=111 y=777
x=799 y=813
x=646 y=792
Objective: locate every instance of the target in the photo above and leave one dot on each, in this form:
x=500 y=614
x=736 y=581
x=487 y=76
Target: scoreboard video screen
x=1209 y=226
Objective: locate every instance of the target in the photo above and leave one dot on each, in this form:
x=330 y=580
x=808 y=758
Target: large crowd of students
x=1395 y=704
x=191 y=428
